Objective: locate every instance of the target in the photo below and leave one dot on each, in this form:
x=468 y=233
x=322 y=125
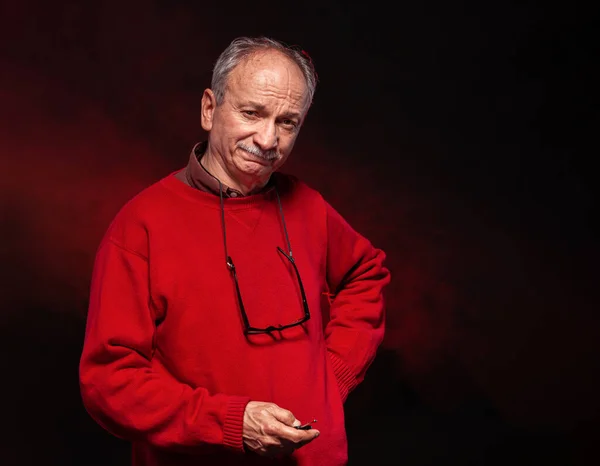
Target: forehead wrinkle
x=266 y=82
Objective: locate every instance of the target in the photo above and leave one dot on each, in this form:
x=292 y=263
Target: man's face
x=253 y=131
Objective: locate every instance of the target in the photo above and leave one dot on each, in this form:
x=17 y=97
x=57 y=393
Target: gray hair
x=241 y=48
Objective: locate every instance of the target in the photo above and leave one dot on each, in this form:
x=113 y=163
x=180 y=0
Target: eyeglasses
x=249 y=329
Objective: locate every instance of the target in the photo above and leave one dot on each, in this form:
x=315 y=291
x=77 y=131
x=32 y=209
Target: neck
x=215 y=167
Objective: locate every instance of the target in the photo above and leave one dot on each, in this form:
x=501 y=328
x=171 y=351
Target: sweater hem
x=345 y=378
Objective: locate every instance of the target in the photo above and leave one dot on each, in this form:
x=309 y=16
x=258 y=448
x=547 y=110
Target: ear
x=209 y=104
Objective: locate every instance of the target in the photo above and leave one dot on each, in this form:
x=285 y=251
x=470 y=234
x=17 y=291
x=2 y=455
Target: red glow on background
x=99 y=105
x=63 y=177
x=70 y=167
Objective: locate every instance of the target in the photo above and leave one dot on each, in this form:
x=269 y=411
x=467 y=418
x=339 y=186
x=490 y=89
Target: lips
x=263 y=160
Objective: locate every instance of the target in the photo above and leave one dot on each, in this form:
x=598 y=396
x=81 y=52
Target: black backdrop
x=460 y=138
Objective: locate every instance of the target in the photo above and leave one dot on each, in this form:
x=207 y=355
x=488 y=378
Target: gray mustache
x=267 y=155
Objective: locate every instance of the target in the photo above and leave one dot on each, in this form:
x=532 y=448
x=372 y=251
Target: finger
x=312 y=433
x=284 y=416
x=306 y=437
x=286 y=441
x=298 y=436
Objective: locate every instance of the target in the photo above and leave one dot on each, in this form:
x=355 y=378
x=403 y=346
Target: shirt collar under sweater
x=196 y=176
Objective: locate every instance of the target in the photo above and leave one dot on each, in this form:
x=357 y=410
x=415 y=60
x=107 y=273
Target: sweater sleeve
x=356 y=277
x=120 y=388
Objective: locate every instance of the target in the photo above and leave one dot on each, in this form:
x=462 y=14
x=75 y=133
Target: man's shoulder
x=145 y=205
x=147 y=197
x=143 y=212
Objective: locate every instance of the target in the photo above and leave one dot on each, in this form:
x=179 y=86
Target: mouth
x=268 y=160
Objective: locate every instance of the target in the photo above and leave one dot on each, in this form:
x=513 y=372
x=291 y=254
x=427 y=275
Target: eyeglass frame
x=249 y=329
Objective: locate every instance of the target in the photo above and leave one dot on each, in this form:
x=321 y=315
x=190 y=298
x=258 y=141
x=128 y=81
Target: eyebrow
x=261 y=107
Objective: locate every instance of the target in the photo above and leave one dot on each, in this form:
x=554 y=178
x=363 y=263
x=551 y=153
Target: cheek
x=285 y=149
x=229 y=128
x=287 y=143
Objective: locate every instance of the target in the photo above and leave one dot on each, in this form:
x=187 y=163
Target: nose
x=267 y=136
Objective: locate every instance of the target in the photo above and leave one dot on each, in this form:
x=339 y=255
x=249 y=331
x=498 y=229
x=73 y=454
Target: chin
x=257 y=166
x=255 y=171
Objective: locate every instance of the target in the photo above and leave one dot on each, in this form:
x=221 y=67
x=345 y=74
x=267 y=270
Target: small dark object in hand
x=307 y=426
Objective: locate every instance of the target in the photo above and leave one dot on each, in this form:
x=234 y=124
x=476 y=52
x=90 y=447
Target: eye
x=249 y=113
x=289 y=124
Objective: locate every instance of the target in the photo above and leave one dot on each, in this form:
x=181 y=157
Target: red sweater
x=165 y=363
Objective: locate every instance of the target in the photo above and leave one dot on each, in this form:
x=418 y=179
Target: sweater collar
x=198 y=177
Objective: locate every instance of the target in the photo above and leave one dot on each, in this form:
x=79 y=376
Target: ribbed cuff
x=345 y=378
x=234 y=421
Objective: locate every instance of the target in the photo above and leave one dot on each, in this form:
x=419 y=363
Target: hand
x=269 y=430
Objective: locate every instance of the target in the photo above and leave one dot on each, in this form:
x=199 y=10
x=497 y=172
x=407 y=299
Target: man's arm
x=356 y=276
x=119 y=387
x=126 y=396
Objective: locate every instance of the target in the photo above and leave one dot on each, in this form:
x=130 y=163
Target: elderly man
x=208 y=340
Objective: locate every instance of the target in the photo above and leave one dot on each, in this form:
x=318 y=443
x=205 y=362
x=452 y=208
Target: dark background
x=459 y=137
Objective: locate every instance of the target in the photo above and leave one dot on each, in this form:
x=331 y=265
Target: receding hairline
x=257 y=54
x=245 y=49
